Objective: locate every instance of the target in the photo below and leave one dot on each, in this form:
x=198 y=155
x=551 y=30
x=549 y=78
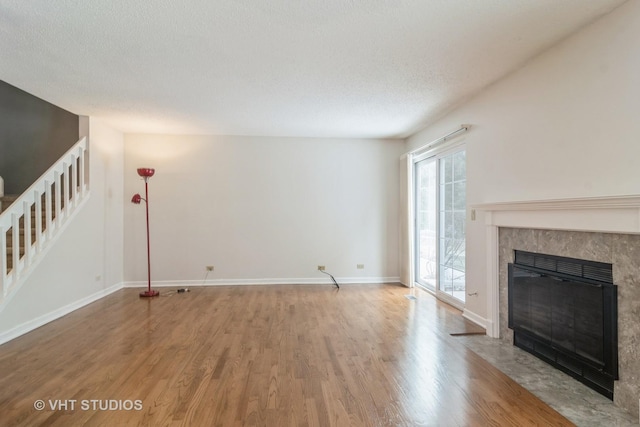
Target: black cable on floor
x=332 y=278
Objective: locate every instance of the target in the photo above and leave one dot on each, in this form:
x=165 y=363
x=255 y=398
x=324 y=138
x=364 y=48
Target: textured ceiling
x=324 y=68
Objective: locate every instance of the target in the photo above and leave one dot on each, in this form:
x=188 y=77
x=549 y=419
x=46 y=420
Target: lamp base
x=148 y=294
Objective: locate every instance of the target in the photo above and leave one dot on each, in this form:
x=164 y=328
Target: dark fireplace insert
x=565 y=311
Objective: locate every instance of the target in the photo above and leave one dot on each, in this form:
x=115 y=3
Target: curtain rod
x=463 y=128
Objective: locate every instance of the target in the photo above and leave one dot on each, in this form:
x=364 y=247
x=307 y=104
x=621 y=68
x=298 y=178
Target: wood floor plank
x=285 y=355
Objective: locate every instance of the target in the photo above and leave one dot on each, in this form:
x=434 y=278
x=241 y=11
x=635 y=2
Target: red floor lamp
x=146 y=173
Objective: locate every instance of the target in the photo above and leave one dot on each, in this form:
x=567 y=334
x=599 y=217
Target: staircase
x=5 y=202
x=29 y=223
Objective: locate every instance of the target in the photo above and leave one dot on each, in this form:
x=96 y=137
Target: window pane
x=446 y=170
x=446 y=225
x=460 y=195
x=446 y=197
x=460 y=166
x=459 y=225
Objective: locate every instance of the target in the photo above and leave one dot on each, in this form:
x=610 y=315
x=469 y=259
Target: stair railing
x=39 y=214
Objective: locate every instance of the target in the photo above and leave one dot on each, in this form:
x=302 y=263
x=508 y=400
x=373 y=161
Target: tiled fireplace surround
x=603 y=229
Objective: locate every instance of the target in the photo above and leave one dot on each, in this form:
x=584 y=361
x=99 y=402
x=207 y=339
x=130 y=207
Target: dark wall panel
x=33 y=135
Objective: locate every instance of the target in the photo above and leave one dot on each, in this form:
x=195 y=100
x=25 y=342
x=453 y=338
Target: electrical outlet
x=360 y=266
x=321 y=267
x=209 y=267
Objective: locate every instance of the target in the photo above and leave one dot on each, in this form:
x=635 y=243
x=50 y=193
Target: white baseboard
x=478 y=320
x=55 y=314
x=240 y=282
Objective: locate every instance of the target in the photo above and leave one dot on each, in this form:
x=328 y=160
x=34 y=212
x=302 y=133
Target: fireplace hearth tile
x=574 y=400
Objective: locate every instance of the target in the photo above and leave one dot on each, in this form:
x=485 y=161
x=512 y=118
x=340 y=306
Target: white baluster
x=15 y=236
x=38 y=219
x=26 y=207
x=48 y=208
x=58 y=198
x=3 y=261
x=65 y=176
x=82 y=169
x=74 y=181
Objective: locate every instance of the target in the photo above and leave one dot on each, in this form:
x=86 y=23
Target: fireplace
x=564 y=311
x=604 y=229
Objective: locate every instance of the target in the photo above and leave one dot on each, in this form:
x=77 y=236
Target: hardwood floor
x=261 y=356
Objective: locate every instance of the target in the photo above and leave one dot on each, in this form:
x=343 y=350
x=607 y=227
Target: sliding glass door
x=440 y=213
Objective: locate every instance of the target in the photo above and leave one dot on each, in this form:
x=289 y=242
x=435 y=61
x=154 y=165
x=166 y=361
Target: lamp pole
x=146 y=173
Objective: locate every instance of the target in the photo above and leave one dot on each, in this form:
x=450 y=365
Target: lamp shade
x=146 y=172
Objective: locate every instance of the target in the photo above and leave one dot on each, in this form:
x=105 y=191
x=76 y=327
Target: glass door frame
x=416 y=230
x=431 y=156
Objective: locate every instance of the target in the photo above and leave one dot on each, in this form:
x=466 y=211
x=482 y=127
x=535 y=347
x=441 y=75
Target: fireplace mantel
x=631 y=201
x=610 y=214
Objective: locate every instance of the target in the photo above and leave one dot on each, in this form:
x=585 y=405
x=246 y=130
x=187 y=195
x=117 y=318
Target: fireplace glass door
x=440 y=213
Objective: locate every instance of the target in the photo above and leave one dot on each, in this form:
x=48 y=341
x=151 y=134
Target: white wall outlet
x=360 y=266
x=321 y=267
x=209 y=267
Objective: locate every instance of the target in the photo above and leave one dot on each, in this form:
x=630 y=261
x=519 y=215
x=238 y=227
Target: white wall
x=563 y=126
x=86 y=261
x=263 y=209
